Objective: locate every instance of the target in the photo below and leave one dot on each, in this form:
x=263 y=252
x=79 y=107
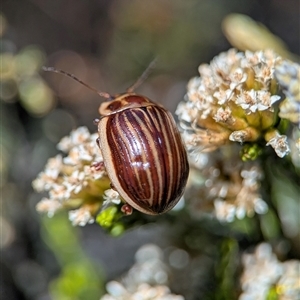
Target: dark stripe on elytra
x=169 y=158
x=163 y=159
x=156 y=157
x=176 y=164
x=179 y=164
x=182 y=165
x=137 y=139
x=174 y=160
x=129 y=185
x=120 y=152
x=142 y=129
x=164 y=129
x=172 y=187
x=134 y=189
x=161 y=125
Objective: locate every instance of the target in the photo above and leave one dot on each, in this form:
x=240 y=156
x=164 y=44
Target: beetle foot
x=126 y=209
x=98 y=166
x=113 y=187
x=98 y=143
x=96 y=121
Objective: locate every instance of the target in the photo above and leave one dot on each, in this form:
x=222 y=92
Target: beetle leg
x=98 y=165
x=126 y=209
x=98 y=143
x=113 y=187
x=96 y=121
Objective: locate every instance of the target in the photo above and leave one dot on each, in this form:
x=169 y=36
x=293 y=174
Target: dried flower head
x=78 y=181
x=264 y=275
x=234 y=100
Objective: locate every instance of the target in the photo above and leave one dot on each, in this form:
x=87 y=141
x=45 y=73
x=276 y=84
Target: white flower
x=46 y=179
x=262 y=271
x=224 y=211
x=233 y=99
x=280 y=145
x=48 y=206
x=224 y=115
x=81 y=216
x=111 y=196
x=77 y=180
x=76 y=137
x=238 y=136
x=223 y=95
x=146 y=280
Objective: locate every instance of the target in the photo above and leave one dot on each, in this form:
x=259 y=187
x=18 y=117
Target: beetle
x=142 y=150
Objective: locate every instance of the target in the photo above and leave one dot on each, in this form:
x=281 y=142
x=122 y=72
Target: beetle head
x=122 y=102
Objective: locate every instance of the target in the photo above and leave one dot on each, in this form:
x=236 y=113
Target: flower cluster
x=287 y=74
x=265 y=276
x=146 y=280
x=77 y=182
x=231 y=188
x=230 y=113
x=234 y=100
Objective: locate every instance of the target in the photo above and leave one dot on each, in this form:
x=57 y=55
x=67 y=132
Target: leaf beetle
x=142 y=149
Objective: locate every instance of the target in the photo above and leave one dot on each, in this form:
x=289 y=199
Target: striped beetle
x=142 y=150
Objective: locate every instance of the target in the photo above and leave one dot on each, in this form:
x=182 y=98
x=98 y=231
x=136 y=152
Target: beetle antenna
x=143 y=77
x=101 y=94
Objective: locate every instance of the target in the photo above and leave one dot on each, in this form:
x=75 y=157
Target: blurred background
x=107 y=44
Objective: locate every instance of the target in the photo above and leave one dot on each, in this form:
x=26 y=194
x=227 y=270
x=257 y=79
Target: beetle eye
x=115 y=105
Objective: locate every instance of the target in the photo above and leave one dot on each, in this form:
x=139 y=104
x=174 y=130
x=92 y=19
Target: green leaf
x=285 y=194
x=269 y=224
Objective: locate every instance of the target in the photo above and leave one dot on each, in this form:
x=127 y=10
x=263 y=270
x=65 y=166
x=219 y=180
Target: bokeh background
x=108 y=44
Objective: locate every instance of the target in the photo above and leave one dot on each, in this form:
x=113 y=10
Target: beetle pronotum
x=142 y=149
